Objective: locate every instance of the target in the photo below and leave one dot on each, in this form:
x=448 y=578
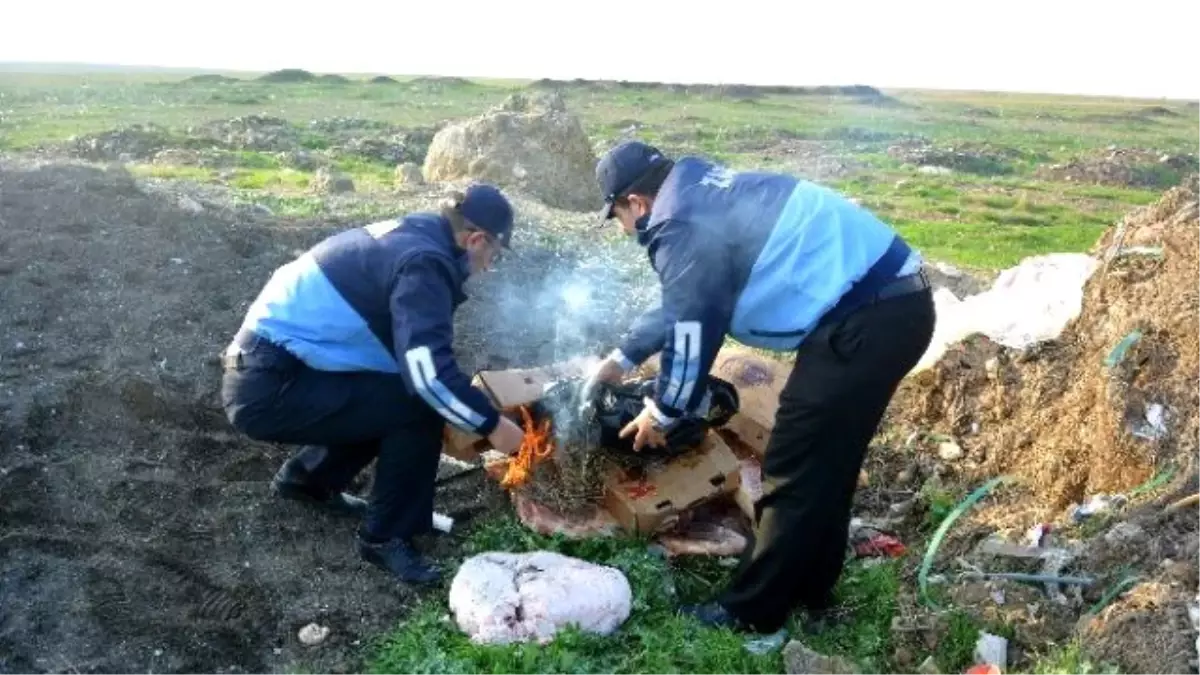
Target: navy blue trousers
x=343 y=421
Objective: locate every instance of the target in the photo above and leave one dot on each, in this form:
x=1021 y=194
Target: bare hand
x=506 y=437
x=647 y=430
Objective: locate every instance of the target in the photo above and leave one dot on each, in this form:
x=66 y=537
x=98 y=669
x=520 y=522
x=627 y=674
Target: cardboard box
x=508 y=390
x=652 y=502
x=759 y=381
x=513 y=388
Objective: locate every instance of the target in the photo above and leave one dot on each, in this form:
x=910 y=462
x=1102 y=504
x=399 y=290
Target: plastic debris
x=1154 y=427
x=1117 y=355
x=991 y=650
x=879 y=545
x=766 y=644
x=1194 y=612
x=1036 y=535
x=1097 y=504
x=962 y=507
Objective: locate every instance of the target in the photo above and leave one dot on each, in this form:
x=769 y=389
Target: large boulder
x=528 y=143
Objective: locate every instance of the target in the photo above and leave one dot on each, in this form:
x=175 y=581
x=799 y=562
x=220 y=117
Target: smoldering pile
x=569 y=444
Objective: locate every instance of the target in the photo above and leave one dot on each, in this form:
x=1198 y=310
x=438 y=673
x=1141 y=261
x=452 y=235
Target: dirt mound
x=383 y=79
x=137 y=533
x=288 y=75
x=530 y=143
x=136 y=141
x=251 y=132
x=1110 y=402
x=211 y=78
x=1127 y=167
x=982 y=160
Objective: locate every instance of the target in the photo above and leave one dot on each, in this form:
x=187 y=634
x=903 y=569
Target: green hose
x=936 y=542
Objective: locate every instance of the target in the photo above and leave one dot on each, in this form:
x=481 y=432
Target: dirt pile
x=137 y=533
x=1108 y=404
x=1124 y=167
x=982 y=160
x=136 y=141
x=530 y=143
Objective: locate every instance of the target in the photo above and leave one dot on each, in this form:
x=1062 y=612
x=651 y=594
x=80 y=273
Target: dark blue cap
x=622 y=168
x=489 y=210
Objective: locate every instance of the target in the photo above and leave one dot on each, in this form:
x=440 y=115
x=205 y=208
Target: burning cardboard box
x=508 y=391
x=644 y=491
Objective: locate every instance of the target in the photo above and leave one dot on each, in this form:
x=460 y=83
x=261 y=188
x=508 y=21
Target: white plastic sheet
x=1027 y=304
x=500 y=598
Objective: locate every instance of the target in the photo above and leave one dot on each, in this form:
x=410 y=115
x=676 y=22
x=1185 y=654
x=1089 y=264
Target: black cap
x=621 y=168
x=487 y=208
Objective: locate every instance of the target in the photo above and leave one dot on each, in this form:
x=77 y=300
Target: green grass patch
x=262 y=179
x=655 y=639
x=193 y=173
x=1069 y=658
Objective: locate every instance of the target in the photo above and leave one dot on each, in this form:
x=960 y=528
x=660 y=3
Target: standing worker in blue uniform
x=783 y=264
x=347 y=351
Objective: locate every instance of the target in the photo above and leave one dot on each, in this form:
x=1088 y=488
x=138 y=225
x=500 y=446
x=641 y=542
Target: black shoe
x=401 y=559
x=713 y=615
x=289 y=483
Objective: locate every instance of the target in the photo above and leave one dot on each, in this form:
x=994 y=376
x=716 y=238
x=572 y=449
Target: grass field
x=988 y=215
x=969 y=178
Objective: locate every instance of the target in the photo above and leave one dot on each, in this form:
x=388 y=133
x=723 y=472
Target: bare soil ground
x=137 y=533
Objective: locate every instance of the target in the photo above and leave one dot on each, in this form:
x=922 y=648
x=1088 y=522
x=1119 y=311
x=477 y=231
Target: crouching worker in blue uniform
x=347 y=351
x=782 y=264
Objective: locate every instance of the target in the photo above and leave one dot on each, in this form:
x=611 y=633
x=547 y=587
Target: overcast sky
x=1059 y=46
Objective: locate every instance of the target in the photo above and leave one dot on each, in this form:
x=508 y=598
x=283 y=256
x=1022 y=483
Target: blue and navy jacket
x=759 y=256
x=379 y=298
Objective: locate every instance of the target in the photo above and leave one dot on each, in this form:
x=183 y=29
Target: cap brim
x=605 y=214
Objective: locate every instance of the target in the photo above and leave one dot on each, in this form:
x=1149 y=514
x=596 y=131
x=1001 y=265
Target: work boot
x=292 y=482
x=400 y=558
x=713 y=615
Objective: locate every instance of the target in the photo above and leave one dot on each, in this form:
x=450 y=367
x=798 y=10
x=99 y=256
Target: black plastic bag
x=617 y=405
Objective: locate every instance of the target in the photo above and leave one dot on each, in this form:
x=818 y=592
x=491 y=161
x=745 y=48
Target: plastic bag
x=616 y=405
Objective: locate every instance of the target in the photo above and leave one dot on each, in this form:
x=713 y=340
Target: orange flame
x=536 y=446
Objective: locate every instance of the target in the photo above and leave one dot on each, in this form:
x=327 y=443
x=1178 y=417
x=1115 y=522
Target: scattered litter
x=1119 y=352
x=871 y=544
x=1112 y=593
x=766 y=644
x=950 y=451
x=1026 y=304
x=983 y=669
x=501 y=598
x=1154 y=427
x=927 y=562
x=313 y=634
x=1099 y=503
x=1031 y=578
x=991 y=650
x=1036 y=535
x=1194 y=612
x=998 y=596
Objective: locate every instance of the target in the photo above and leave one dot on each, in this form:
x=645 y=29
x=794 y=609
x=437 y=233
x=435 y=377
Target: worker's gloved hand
x=608 y=370
x=506 y=437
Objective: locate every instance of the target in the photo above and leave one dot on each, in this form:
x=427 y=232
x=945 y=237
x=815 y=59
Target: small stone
x=906 y=476
x=190 y=205
x=313 y=634
x=797 y=658
x=1124 y=533
x=409 y=173
x=950 y=451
